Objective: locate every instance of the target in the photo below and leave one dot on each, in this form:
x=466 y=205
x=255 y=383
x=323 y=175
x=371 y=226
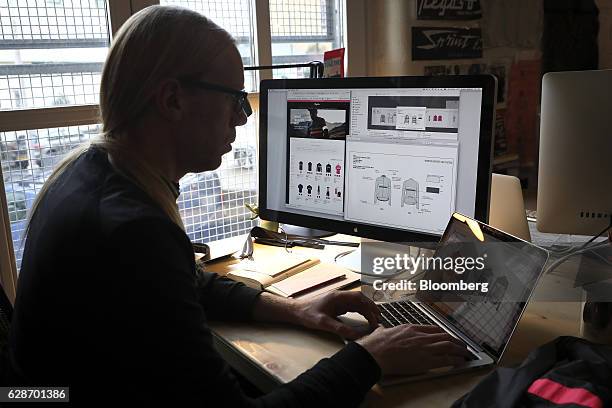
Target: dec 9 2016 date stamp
x=34 y=394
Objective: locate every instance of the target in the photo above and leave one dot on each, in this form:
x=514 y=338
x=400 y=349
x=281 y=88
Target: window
x=51 y=52
x=51 y=58
x=302 y=30
x=236 y=16
x=28 y=158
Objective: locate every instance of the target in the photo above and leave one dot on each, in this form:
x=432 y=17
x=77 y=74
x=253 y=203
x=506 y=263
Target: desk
x=272 y=354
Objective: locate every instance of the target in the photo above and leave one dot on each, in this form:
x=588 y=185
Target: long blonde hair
x=157 y=43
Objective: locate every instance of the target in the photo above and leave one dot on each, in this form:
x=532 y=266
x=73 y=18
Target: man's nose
x=240 y=119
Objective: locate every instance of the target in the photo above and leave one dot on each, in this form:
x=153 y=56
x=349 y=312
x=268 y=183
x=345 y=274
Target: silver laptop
x=483 y=320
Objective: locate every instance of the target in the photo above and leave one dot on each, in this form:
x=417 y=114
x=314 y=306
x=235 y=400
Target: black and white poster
x=442 y=43
x=448 y=9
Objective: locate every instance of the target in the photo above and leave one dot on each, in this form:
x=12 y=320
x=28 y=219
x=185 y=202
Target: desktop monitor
x=575 y=165
x=386 y=158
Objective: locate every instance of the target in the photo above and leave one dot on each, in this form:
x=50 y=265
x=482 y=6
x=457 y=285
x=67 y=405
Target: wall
x=605 y=33
x=387 y=38
x=379 y=37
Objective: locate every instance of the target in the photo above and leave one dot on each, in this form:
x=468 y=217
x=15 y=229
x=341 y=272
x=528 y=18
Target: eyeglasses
x=241 y=97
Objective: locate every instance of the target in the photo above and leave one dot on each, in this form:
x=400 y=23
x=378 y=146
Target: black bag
x=567 y=372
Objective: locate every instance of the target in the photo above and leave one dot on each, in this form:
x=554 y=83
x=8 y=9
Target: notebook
x=291 y=275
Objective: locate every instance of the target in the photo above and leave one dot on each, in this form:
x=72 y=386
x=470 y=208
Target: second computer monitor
x=385 y=158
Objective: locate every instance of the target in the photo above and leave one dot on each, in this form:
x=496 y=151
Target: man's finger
x=428 y=328
x=334 y=326
x=357 y=302
x=438 y=337
x=373 y=311
x=432 y=338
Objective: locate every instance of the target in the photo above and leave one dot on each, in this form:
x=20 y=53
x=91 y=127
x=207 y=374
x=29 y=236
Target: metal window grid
x=30 y=25
x=223 y=213
x=232 y=15
x=39 y=90
x=218 y=212
x=28 y=158
x=23 y=85
x=299 y=20
x=24 y=22
x=236 y=17
x=302 y=30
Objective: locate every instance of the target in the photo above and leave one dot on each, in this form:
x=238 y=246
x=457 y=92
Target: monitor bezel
x=487 y=83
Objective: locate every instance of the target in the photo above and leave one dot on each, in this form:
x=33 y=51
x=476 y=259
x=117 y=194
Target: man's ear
x=170 y=100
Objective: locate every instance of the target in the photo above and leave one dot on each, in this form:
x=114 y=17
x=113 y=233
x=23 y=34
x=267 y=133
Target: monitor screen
x=399 y=159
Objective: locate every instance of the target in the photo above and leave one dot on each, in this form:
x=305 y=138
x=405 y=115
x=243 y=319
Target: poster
x=501 y=144
x=448 y=9
x=334 y=63
x=441 y=43
x=521 y=120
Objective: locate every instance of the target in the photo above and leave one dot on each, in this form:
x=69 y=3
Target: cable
x=559 y=261
x=598 y=235
x=573 y=248
x=341 y=254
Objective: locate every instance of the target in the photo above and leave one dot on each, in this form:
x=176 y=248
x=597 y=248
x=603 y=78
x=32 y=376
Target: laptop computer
x=482 y=319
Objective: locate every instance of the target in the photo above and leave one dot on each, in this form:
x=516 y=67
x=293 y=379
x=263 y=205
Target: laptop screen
x=510 y=270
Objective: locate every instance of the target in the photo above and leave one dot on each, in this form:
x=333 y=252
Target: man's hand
x=321 y=313
x=411 y=349
x=406 y=349
x=318 y=313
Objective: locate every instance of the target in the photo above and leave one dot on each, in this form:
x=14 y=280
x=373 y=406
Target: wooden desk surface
x=272 y=354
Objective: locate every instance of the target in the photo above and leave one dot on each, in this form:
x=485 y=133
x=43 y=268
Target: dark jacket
x=109 y=303
x=567 y=372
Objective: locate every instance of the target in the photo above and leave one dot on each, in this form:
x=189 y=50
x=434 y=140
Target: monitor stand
x=305 y=232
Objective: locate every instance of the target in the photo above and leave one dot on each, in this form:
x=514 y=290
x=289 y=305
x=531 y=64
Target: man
x=318 y=126
x=109 y=302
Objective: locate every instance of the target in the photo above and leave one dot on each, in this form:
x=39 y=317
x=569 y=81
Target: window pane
x=302 y=30
x=51 y=52
x=212 y=204
x=236 y=16
x=291 y=73
x=28 y=158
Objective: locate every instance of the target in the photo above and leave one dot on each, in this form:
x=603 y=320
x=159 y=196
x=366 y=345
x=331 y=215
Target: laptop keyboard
x=396 y=313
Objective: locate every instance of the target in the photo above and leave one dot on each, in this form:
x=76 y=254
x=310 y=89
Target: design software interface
x=402 y=158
